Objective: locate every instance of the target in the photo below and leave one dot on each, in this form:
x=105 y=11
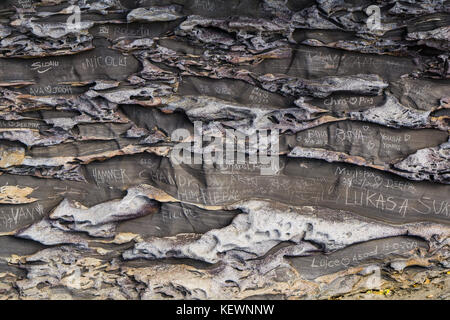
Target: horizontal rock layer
x=337 y=184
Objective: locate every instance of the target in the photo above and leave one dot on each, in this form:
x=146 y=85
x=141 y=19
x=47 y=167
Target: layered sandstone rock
x=347 y=196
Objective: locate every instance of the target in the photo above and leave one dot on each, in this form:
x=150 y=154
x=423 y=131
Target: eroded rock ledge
x=94 y=205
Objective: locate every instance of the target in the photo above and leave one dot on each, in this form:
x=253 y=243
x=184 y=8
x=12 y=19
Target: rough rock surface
x=97 y=97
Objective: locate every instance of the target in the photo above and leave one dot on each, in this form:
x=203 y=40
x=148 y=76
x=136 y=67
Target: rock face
x=212 y=149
